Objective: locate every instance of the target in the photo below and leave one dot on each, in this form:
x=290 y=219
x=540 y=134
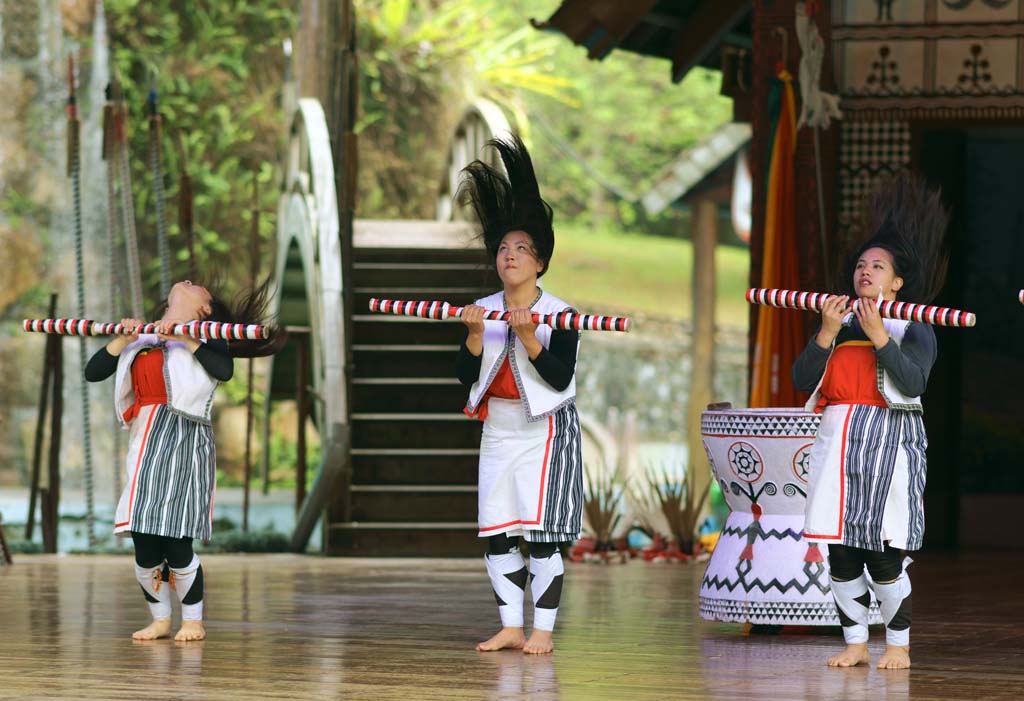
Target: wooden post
x=51 y=495
x=5 y=551
x=254 y=267
x=37 y=447
x=301 y=402
x=704 y=236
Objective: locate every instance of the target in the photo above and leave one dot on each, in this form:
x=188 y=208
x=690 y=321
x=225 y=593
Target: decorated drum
x=762 y=571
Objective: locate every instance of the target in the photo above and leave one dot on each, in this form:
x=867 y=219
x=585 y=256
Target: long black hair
x=249 y=306
x=509 y=201
x=904 y=216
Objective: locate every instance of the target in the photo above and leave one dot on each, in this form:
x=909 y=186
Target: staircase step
x=385 y=328
x=414 y=431
x=412 y=395
x=477 y=256
x=394 y=360
x=447 y=539
x=417 y=468
x=404 y=275
x=414 y=503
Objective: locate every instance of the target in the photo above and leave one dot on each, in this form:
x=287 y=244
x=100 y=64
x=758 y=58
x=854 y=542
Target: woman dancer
x=867 y=468
x=522 y=386
x=163 y=395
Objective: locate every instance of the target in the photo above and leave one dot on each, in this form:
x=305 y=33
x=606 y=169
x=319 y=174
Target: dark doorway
x=973 y=409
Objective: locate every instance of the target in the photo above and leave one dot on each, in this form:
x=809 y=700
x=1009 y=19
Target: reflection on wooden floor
x=312 y=628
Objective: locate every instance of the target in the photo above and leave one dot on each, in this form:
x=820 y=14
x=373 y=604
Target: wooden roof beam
x=703 y=31
x=599 y=25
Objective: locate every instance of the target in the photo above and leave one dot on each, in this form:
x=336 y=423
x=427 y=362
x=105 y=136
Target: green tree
x=218 y=68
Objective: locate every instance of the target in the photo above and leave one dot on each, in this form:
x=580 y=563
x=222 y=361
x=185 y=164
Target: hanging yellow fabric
x=779 y=331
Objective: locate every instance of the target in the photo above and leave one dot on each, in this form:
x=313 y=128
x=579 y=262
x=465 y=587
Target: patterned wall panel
x=867 y=150
x=899 y=61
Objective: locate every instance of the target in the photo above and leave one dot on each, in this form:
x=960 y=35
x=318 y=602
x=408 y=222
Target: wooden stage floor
x=300 y=627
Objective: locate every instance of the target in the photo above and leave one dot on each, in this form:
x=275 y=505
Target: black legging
x=847 y=563
x=154 y=550
x=501 y=544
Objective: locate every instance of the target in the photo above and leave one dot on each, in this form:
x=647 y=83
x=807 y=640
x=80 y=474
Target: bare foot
x=852 y=656
x=159 y=628
x=505 y=639
x=539 y=643
x=895 y=658
x=190 y=630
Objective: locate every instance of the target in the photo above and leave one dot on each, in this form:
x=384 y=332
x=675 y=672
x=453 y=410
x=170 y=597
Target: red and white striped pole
x=195 y=329
x=889 y=309
x=567 y=321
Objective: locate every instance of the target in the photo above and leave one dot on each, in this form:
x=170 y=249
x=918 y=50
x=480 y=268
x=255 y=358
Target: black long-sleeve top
x=212 y=355
x=908 y=364
x=555 y=364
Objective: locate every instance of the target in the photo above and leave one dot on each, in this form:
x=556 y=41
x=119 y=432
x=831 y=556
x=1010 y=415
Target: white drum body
x=762 y=571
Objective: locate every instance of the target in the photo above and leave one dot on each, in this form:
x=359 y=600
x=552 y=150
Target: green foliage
x=601 y=131
x=263 y=541
x=420 y=63
x=608 y=270
x=219 y=74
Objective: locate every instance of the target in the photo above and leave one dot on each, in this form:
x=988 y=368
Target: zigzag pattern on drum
x=788 y=534
x=563 y=498
x=176 y=478
x=716 y=582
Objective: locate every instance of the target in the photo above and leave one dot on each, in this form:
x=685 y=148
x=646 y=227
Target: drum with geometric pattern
x=762 y=571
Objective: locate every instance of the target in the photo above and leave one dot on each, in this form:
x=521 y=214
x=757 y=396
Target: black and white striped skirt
x=531 y=474
x=867 y=477
x=171 y=476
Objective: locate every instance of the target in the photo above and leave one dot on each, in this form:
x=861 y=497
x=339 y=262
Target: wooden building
x=933 y=85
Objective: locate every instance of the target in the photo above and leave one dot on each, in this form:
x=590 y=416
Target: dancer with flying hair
x=865 y=495
x=521 y=380
x=163 y=395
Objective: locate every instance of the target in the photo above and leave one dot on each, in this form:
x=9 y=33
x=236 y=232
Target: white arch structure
x=309 y=248
x=480 y=122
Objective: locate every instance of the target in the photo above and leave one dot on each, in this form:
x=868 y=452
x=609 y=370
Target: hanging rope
x=114 y=288
x=74 y=172
x=122 y=169
x=818 y=108
x=163 y=251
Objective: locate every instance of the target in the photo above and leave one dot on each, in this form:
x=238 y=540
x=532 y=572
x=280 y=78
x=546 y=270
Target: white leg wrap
x=184 y=578
x=852 y=600
x=508 y=579
x=546 y=588
x=158 y=594
x=895 y=608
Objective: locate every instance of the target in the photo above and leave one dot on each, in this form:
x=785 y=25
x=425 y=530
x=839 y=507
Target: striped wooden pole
x=195 y=329
x=889 y=309
x=566 y=321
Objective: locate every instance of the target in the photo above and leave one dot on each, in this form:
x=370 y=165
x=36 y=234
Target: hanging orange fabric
x=779 y=331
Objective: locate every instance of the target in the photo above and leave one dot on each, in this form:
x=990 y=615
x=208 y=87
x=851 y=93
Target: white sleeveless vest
x=189 y=388
x=894 y=398
x=539 y=399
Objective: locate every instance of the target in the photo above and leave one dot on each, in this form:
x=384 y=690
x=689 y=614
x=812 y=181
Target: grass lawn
x=602 y=272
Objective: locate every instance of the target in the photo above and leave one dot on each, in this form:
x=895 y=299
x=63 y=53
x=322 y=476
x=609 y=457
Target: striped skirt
x=171 y=476
x=531 y=474
x=867 y=475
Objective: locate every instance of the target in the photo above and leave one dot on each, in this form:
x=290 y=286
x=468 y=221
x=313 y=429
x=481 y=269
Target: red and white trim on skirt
x=138 y=464
x=543 y=482
x=842 y=483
